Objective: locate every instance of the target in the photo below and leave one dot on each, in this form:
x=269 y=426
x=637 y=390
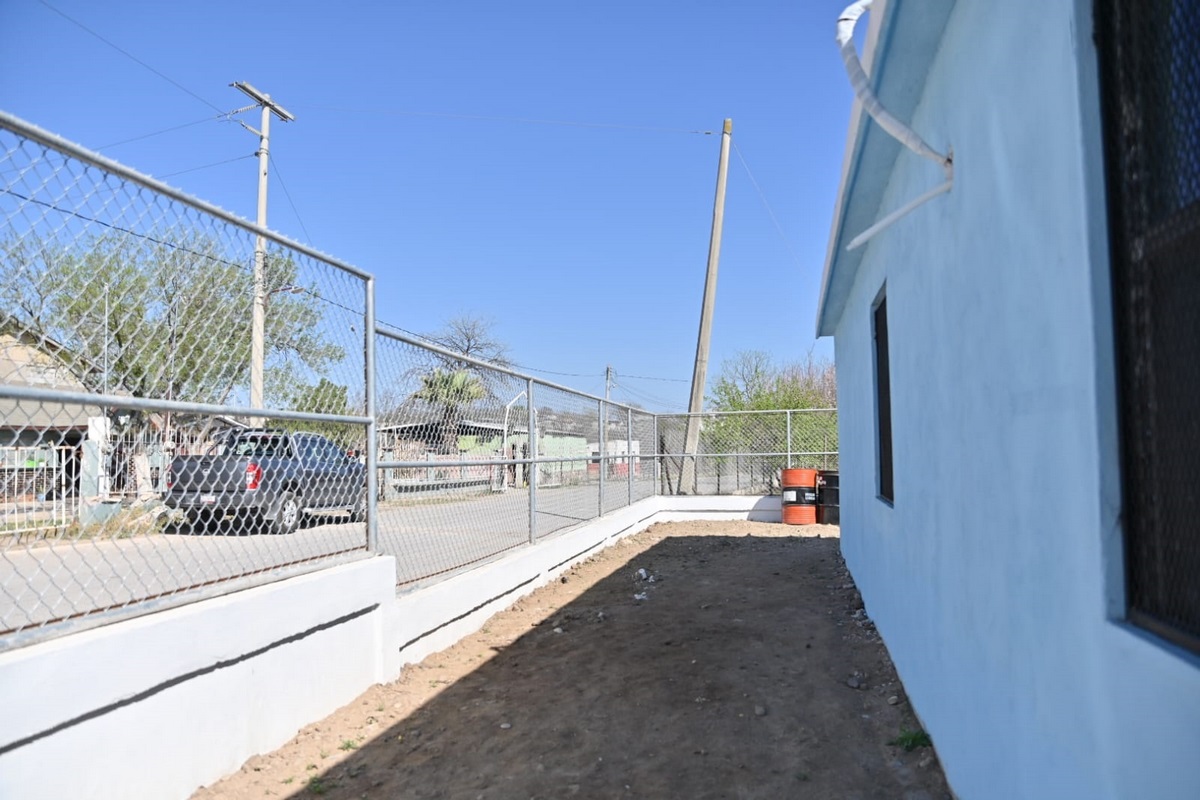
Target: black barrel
x=828 y=508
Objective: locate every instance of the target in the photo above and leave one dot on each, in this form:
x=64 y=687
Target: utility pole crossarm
x=262 y=99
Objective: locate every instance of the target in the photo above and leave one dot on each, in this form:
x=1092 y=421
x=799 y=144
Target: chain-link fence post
x=602 y=447
x=372 y=488
x=629 y=454
x=657 y=459
x=531 y=469
x=789 y=438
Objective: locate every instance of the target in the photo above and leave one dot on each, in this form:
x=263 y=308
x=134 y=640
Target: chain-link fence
x=192 y=405
x=138 y=462
x=475 y=460
x=742 y=452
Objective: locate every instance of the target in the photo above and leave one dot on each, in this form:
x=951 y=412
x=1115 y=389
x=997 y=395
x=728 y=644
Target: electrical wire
x=643 y=397
x=638 y=395
x=159 y=133
x=127 y=231
x=215 y=259
x=132 y=57
x=272 y=160
x=649 y=378
x=522 y=120
x=205 y=166
x=786 y=242
x=564 y=374
x=248 y=269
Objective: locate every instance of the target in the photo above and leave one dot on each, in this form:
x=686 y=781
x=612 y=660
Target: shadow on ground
x=729 y=679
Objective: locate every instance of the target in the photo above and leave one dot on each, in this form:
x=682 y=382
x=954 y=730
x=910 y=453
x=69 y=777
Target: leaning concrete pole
x=687 y=483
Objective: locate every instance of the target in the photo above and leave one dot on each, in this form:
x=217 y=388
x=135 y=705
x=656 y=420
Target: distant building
x=39 y=439
x=30 y=361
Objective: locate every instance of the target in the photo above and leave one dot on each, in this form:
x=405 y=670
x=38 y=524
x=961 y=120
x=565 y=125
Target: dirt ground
x=693 y=660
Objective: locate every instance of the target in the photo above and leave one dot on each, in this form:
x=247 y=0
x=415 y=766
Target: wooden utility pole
x=687 y=482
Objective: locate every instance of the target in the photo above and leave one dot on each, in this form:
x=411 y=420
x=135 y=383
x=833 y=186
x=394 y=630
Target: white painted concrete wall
x=994 y=579
x=157 y=706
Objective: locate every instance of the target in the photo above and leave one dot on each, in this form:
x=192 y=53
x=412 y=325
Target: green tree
x=750 y=381
x=158 y=318
x=326 y=397
x=450 y=392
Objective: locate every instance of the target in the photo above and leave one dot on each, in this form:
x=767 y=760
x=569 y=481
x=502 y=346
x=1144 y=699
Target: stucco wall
x=994 y=578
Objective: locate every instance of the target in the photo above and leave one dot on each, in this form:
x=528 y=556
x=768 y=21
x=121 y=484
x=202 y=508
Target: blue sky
x=423 y=151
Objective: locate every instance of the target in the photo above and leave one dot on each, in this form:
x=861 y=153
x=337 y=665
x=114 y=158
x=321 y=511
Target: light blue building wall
x=995 y=578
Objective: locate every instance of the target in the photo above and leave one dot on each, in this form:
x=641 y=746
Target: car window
x=327 y=450
x=262 y=446
x=314 y=448
x=307 y=448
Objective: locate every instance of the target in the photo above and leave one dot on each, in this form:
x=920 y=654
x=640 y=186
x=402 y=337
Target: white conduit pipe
x=866 y=235
x=897 y=129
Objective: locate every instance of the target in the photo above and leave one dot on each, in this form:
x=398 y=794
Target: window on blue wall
x=883 y=400
x=1149 y=53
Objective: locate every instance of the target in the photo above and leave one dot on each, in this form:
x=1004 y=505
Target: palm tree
x=452 y=391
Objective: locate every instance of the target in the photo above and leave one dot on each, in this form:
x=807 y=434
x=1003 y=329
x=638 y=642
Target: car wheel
x=287 y=517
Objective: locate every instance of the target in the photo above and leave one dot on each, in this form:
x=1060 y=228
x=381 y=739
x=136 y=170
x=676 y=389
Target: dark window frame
x=1152 y=179
x=885 y=470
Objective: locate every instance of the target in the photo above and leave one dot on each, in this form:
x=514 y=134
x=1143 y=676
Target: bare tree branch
x=472 y=336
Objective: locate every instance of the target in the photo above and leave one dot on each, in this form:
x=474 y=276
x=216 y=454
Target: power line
x=522 y=120
x=132 y=57
x=327 y=300
x=127 y=231
x=786 y=242
x=159 y=133
x=174 y=246
x=405 y=330
x=274 y=164
x=649 y=378
x=206 y=166
x=564 y=374
x=649 y=398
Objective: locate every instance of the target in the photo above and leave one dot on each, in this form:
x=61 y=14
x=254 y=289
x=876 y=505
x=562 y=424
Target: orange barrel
x=799 y=496
x=828 y=502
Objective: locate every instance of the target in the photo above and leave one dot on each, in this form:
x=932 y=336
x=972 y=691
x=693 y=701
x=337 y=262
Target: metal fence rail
x=475 y=460
x=125 y=330
x=139 y=467
x=742 y=452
